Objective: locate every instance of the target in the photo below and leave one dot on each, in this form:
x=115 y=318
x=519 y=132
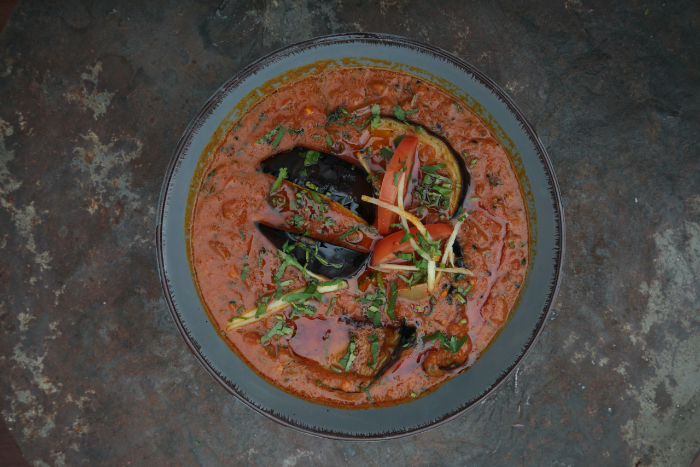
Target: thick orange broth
x=233 y=196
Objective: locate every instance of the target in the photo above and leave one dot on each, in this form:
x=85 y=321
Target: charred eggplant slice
x=319 y=257
x=444 y=154
x=406 y=336
x=339 y=180
x=457 y=250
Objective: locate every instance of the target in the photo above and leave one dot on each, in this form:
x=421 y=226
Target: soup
x=359 y=237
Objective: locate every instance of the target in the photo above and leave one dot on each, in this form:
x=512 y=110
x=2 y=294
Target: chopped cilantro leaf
x=268 y=136
x=399 y=113
x=279 y=329
x=261 y=306
x=376 y=317
x=374 y=119
x=452 y=345
x=349 y=357
x=311 y=156
x=335 y=115
x=431 y=169
x=297 y=220
x=280 y=135
x=278 y=182
x=392 y=301
x=374 y=347
x=308 y=293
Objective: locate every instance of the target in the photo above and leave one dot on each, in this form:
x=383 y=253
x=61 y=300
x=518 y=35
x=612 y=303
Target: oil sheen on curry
x=359 y=237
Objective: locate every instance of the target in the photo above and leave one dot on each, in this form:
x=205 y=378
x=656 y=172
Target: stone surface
x=93 y=99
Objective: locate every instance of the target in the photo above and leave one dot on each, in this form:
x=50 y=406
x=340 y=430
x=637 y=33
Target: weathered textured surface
x=93 y=99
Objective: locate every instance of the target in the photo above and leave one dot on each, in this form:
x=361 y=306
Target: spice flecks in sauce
x=233 y=196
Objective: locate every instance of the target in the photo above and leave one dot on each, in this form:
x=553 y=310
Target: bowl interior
x=541 y=194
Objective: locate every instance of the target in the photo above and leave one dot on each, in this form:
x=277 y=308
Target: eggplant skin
x=455 y=165
x=406 y=337
x=339 y=180
x=351 y=262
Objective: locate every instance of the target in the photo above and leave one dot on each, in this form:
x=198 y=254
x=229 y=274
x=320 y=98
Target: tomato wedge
x=384 y=250
x=401 y=161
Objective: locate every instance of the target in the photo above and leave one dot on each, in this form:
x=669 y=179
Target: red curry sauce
x=234 y=263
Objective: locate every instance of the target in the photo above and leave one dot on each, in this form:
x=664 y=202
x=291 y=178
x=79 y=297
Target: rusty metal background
x=95 y=95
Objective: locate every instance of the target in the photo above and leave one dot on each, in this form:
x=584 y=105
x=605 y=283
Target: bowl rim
x=381 y=39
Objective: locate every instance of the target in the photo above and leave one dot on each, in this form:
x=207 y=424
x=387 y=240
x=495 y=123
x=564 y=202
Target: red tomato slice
x=384 y=250
x=404 y=154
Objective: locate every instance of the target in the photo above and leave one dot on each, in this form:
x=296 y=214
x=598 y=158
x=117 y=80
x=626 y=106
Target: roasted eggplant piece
x=339 y=180
x=406 y=337
x=457 y=250
x=444 y=154
x=319 y=257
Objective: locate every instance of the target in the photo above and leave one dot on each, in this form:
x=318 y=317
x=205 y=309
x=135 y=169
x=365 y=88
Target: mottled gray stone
x=93 y=99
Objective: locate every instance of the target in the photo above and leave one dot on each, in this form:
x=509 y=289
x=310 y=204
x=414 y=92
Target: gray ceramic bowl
x=517 y=337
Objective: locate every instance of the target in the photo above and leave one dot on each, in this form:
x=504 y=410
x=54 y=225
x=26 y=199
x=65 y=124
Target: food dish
x=379 y=314
x=493 y=106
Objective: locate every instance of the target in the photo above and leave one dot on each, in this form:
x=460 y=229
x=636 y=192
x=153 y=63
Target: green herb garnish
x=279 y=329
x=374 y=119
x=356 y=228
x=400 y=114
x=386 y=154
x=452 y=344
x=310 y=156
x=297 y=220
x=431 y=169
x=261 y=306
x=280 y=135
x=278 y=182
x=335 y=115
x=392 y=301
x=349 y=357
x=374 y=347
x=269 y=135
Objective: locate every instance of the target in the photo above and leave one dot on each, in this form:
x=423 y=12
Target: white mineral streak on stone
x=35 y=365
x=666 y=436
x=95 y=101
x=24 y=218
x=58 y=292
x=292 y=460
x=24 y=319
x=55 y=333
x=8 y=182
x=98 y=160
